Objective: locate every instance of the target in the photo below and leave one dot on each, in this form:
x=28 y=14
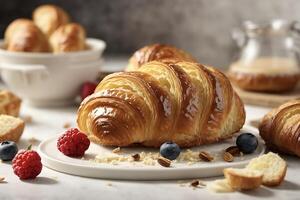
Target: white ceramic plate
x=53 y=159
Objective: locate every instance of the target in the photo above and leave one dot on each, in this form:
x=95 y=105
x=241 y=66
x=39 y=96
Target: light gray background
x=201 y=27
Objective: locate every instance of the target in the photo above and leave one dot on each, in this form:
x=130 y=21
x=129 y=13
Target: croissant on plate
x=24 y=35
x=184 y=102
x=49 y=18
x=69 y=37
x=161 y=52
x=280 y=128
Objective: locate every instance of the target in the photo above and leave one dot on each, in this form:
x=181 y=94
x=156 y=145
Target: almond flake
x=204 y=156
x=233 y=150
x=195 y=183
x=2 y=178
x=228 y=157
x=164 y=162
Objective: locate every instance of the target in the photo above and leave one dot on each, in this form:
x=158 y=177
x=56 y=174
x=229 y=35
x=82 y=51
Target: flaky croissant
x=158 y=52
x=67 y=38
x=280 y=128
x=23 y=35
x=183 y=102
x=49 y=18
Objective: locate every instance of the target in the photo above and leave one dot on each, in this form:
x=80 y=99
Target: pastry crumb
x=33 y=140
x=27 y=119
x=67 y=125
x=109 y=184
x=2 y=178
x=117 y=150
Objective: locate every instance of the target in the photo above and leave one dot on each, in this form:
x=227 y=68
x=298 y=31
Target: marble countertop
x=54 y=185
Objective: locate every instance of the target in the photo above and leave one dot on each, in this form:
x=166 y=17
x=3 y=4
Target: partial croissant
x=280 y=128
x=185 y=102
x=157 y=52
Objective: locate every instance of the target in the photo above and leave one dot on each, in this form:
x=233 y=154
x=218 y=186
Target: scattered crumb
x=33 y=140
x=27 y=119
x=109 y=184
x=67 y=125
x=220 y=186
x=2 y=178
x=117 y=150
x=194 y=183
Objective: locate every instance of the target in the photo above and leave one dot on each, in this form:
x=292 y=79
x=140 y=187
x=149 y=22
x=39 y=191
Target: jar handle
x=239 y=36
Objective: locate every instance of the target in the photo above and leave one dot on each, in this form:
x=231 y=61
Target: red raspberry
x=87 y=89
x=73 y=143
x=27 y=164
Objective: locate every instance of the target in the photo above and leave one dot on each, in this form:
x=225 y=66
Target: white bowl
x=46 y=79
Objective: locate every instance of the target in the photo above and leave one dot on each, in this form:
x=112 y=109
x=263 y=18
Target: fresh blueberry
x=8 y=150
x=169 y=150
x=247 y=143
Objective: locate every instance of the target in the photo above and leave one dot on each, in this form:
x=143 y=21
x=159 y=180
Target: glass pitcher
x=270 y=47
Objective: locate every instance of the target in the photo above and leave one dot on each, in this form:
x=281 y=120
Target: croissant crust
x=157 y=52
x=184 y=102
x=280 y=128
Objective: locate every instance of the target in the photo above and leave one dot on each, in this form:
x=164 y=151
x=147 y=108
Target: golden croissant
x=158 y=52
x=280 y=128
x=185 y=102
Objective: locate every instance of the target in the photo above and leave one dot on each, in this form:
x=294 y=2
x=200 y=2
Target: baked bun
x=69 y=37
x=184 y=102
x=280 y=128
x=158 y=52
x=23 y=35
x=49 y=18
x=265 y=74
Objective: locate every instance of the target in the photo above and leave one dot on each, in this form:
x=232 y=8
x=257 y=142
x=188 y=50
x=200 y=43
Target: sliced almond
x=195 y=183
x=228 y=157
x=233 y=150
x=164 y=162
x=2 y=178
x=136 y=157
x=204 y=156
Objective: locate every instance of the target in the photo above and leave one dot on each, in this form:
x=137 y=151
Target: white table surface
x=54 y=185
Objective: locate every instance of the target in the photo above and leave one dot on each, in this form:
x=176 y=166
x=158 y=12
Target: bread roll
x=49 y=18
x=67 y=38
x=24 y=36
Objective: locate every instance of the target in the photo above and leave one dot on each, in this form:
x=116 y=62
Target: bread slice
x=272 y=166
x=11 y=128
x=9 y=103
x=243 y=179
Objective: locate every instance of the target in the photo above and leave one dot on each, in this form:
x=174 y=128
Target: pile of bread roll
x=50 y=30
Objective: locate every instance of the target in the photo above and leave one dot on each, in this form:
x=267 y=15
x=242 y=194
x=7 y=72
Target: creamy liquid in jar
x=266 y=66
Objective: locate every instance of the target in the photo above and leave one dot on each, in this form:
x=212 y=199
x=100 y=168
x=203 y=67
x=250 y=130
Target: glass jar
x=270 y=48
